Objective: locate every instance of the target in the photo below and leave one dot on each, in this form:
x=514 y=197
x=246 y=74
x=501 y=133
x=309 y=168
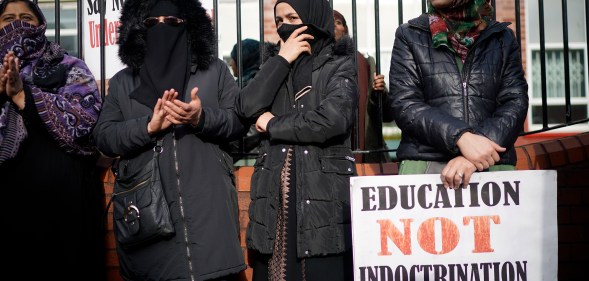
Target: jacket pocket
x=127 y=171
x=260 y=160
x=142 y=196
x=336 y=172
x=261 y=182
x=343 y=165
x=225 y=159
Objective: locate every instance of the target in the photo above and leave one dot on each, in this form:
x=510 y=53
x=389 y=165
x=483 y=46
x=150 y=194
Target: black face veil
x=167 y=57
x=315 y=13
x=318 y=16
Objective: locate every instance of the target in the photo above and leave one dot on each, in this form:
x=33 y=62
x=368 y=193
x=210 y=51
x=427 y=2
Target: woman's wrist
x=19 y=99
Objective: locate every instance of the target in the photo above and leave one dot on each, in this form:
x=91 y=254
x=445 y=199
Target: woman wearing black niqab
x=175 y=89
x=303 y=100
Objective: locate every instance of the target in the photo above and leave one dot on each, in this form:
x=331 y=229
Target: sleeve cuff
x=3 y=99
x=269 y=126
x=152 y=138
x=201 y=123
x=283 y=61
x=30 y=110
x=454 y=149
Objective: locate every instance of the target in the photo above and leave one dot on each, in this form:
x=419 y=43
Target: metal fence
x=569 y=120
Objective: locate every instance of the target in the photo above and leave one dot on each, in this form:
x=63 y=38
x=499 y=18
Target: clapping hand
x=10 y=80
x=158 y=121
x=3 y=77
x=179 y=112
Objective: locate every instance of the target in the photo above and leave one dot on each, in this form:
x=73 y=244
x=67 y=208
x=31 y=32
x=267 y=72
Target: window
x=68 y=25
x=555 y=85
x=555 y=70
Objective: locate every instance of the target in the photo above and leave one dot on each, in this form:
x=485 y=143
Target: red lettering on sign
x=426 y=236
x=402 y=240
x=482 y=232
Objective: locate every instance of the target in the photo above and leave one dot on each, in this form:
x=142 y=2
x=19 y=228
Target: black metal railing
x=567 y=88
x=401 y=19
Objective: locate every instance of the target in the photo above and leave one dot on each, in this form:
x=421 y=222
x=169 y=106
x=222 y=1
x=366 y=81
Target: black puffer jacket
x=318 y=127
x=434 y=104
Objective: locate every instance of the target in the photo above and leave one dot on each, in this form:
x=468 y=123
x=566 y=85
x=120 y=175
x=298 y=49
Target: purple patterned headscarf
x=64 y=91
x=25 y=40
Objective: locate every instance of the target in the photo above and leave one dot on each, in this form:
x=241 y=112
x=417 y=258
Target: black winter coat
x=197 y=177
x=318 y=127
x=434 y=103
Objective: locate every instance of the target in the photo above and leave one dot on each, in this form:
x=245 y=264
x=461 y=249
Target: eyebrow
x=21 y=14
x=288 y=15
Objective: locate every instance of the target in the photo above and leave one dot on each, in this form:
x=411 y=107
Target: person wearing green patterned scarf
x=457 y=24
x=458 y=92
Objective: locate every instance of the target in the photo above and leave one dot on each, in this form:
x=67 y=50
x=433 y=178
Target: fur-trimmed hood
x=201 y=37
x=343 y=47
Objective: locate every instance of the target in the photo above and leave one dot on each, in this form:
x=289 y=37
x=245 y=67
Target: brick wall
x=573 y=221
x=569 y=156
x=112 y=262
x=270 y=34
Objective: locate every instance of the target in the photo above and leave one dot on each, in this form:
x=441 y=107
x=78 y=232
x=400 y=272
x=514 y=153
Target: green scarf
x=458 y=26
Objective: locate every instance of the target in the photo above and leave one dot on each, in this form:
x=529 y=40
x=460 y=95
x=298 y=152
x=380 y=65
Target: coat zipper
x=181 y=202
x=133 y=188
x=299 y=204
x=465 y=78
x=465 y=74
x=465 y=99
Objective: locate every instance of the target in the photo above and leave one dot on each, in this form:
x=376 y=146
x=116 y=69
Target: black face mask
x=285 y=30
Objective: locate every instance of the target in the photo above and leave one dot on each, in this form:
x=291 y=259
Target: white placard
x=502 y=227
x=91 y=33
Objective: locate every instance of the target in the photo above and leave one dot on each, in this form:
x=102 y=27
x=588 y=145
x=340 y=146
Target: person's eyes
x=27 y=18
x=8 y=19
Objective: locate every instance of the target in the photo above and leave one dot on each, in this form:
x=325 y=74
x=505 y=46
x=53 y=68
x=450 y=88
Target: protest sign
x=91 y=36
x=501 y=227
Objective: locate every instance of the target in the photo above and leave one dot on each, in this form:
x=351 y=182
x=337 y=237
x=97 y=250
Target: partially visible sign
x=91 y=23
x=501 y=227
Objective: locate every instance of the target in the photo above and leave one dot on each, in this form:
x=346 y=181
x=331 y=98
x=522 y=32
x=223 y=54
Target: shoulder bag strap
x=157 y=150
